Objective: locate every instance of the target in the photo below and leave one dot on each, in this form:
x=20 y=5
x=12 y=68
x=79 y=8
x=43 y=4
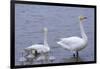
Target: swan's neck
x=45 y=39
x=82 y=31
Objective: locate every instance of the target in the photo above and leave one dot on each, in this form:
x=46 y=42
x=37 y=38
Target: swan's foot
x=76 y=54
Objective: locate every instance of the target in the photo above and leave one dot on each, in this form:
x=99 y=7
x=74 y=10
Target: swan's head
x=45 y=29
x=81 y=18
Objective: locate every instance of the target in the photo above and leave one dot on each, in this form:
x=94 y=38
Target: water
x=60 y=21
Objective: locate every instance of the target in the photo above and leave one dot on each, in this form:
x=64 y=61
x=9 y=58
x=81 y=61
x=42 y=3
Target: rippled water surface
x=60 y=21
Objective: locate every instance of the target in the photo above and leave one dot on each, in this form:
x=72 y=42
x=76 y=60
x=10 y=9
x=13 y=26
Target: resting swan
x=75 y=43
x=40 y=48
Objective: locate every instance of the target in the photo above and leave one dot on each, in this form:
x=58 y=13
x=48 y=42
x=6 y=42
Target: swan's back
x=73 y=43
x=39 y=48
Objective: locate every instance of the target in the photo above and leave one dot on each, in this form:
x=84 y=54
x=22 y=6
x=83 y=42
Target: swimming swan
x=40 y=48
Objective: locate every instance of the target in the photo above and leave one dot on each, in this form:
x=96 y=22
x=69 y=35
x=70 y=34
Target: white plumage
x=40 y=48
x=75 y=43
x=72 y=43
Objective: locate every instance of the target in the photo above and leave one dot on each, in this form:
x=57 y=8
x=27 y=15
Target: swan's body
x=75 y=43
x=40 y=48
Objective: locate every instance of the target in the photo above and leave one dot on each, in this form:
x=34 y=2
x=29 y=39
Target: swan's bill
x=82 y=18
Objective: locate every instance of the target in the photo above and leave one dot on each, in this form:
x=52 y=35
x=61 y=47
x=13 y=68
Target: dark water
x=60 y=21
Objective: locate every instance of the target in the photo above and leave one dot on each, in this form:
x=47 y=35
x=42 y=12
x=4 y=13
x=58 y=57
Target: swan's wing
x=35 y=46
x=38 y=47
x=72 y=42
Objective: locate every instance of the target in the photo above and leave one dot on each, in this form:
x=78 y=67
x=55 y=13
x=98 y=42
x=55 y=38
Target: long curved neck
x=83 y=32
x=45 y=38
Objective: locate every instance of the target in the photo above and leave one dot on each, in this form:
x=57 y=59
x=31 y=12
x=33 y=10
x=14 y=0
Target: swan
x=74 y=43
x=42 y=49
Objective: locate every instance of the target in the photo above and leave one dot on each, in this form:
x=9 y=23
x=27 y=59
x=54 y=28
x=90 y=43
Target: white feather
x=40 y=48
x=74 y=43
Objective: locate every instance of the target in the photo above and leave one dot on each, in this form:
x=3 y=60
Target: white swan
x=40 y=48
x=75 y=43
